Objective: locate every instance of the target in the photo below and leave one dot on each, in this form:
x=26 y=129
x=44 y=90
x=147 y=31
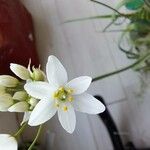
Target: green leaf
x=134 y=4
x=90 y=18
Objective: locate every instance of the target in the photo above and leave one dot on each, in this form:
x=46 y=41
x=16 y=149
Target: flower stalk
x=36 y=138
x=19 y=132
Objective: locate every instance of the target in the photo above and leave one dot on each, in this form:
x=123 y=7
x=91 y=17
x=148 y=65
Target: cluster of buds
x=13 y=97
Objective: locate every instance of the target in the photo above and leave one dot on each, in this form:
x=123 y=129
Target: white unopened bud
x=20 y=71
x=2 y=90
x=19 y=107
x=37 y=74
x=20 y=96
x=8 y=81
x=8 y=142
x=5 y=102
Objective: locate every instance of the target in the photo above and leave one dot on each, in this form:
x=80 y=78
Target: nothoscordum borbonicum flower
x=8 y=142
x=61 y=96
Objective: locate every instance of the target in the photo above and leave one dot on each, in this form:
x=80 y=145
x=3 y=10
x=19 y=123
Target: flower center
x=63 y=94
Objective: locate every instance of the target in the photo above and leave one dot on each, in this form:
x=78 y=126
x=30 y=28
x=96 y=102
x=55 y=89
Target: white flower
x=5 y=102
x=8 y=81
x=7 y=142
x=62 y=97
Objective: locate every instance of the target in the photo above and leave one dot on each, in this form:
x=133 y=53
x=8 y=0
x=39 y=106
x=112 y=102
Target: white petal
x=80 y=84
x=43 y=111
x=7 y=142
x=56 y=73
x=19 y=107
x=26 y=117
x=20 y=71
x=88 y=104
x=8 y=81
x=67 y=118
x=39 y=90
x=5 y=102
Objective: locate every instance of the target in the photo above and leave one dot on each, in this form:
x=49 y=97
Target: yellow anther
x=61 y=89
x=55 y=94
x=70 y=98
x=65 y=108
x=70 y=91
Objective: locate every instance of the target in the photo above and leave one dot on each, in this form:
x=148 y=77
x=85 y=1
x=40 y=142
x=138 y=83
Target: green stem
x=17 y=134
x=36 y=138
x=98 y=17
x=92 y=17
x=122 y=69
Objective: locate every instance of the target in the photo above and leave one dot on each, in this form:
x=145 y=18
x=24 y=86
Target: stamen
x=65 y=108
x=70 y=98
x=55 y=94
x=61 y=89
x=70 y=91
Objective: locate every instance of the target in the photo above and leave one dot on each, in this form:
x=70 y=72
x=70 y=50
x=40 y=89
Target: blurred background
x=85 y=50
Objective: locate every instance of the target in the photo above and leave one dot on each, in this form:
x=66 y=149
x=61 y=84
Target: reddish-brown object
x=17 y=41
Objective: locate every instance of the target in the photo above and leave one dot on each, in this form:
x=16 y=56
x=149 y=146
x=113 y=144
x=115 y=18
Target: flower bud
x=19 y=107
x=20 y=96
x=8 y=81
x=5 y=102
x=20 y=71
x=8 y=142
x=37 y=75
x=2 y=90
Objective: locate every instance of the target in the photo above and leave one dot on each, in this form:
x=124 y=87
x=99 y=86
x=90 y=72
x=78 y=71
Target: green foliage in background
x=134 y=4
x=137 y=30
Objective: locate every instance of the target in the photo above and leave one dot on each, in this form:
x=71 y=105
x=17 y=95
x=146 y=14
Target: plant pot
x=17 y=40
